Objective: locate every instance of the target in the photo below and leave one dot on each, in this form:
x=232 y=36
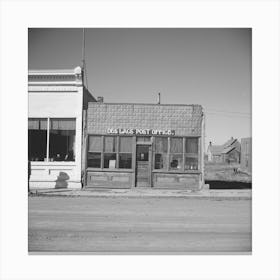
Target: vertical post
x=168 y=153
x=184 y=152
x=118 y=151
x=84 y=148
x=102 y=152
x=134 y=161
x=48 y=138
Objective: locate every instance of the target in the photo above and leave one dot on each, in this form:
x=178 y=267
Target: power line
x=228 y=114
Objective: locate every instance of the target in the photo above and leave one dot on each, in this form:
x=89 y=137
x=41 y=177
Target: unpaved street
x=131 y=225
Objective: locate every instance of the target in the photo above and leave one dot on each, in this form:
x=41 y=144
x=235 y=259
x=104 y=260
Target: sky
x=206 y=66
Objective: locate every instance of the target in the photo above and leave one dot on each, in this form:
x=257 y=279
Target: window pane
x=37 y=124
x=143 y=139
x=125 y=161
x=191 y=163
x=109 y=160
x=192 y=145
x=63 y=124
x=125 y=144
x=95 y=144
x=161 y=144
x=176 y=145
x=161 y=161
x=142 y=153
x=62 y=140
x=94 y=160
x=110 y=144
x=176 y=162
x=37 y=139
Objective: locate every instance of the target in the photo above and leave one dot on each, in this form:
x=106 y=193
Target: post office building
x=144 y=145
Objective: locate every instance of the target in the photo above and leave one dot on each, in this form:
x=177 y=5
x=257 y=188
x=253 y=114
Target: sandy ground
x=138 y=225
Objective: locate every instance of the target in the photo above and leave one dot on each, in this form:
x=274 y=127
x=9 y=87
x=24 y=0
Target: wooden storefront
x=144 y=145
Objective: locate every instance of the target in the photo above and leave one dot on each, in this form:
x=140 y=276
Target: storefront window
x=176 y=154
x=61 y=135
x=37 y=139
x=125 y=152
x=161 y=148
x=94 y=154
x=110 y=155
x=62 y=139
x=191 y=154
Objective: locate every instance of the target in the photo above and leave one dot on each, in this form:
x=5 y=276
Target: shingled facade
x=144 y=145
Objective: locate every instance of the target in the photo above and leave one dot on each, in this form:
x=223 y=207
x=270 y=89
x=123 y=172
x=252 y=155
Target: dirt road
x=131 y=225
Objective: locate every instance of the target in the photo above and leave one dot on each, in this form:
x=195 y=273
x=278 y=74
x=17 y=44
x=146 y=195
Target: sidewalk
x=146 y=192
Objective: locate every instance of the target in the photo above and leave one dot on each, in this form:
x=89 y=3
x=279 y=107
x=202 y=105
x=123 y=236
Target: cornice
x=71 y=77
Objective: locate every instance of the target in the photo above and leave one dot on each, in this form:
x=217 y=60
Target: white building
x=56 y=99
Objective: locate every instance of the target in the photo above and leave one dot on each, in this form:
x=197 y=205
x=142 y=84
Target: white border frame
x=17 y=16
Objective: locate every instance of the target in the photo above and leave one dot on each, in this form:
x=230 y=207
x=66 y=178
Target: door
x=143 y=166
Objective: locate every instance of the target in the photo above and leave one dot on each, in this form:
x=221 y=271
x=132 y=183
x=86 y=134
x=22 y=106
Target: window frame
x=48 y=162
x=102 y=168
x=192 y=155
x=184 y=154
x=166 y=154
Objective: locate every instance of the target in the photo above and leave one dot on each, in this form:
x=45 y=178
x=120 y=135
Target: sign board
x=137 y=131
x=112 y=163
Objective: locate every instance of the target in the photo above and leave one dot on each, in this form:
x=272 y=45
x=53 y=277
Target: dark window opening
x=142 y=153
x=37 y=139
x=161 y=149
x=62 y=140
x=125 y=161
x=94 y=160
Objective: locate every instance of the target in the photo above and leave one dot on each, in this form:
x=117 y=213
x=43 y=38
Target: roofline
x=72 y=71
x=155 y=104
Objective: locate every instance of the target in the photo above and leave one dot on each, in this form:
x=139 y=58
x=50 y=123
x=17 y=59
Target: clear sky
x=211 y=67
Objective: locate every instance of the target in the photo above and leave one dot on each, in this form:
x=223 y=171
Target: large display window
x=51 y=139
x=181 y=154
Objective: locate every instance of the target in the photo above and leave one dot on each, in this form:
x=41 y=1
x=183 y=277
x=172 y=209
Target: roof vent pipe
x=158 y=98
x=100 y=99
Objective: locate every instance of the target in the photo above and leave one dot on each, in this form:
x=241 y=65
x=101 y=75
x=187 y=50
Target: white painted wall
x=65 y=104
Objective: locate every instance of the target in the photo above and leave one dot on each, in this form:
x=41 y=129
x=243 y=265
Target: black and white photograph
x=139 y=140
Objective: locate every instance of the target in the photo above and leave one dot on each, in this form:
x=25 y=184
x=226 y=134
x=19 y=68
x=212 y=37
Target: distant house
x=229 y=152
x=246 y=155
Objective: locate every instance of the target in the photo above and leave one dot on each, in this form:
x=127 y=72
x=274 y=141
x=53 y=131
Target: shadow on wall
x=61 y=181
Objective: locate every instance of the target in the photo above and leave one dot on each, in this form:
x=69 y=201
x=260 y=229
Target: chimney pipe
x=158 y=98
x=100 y=99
